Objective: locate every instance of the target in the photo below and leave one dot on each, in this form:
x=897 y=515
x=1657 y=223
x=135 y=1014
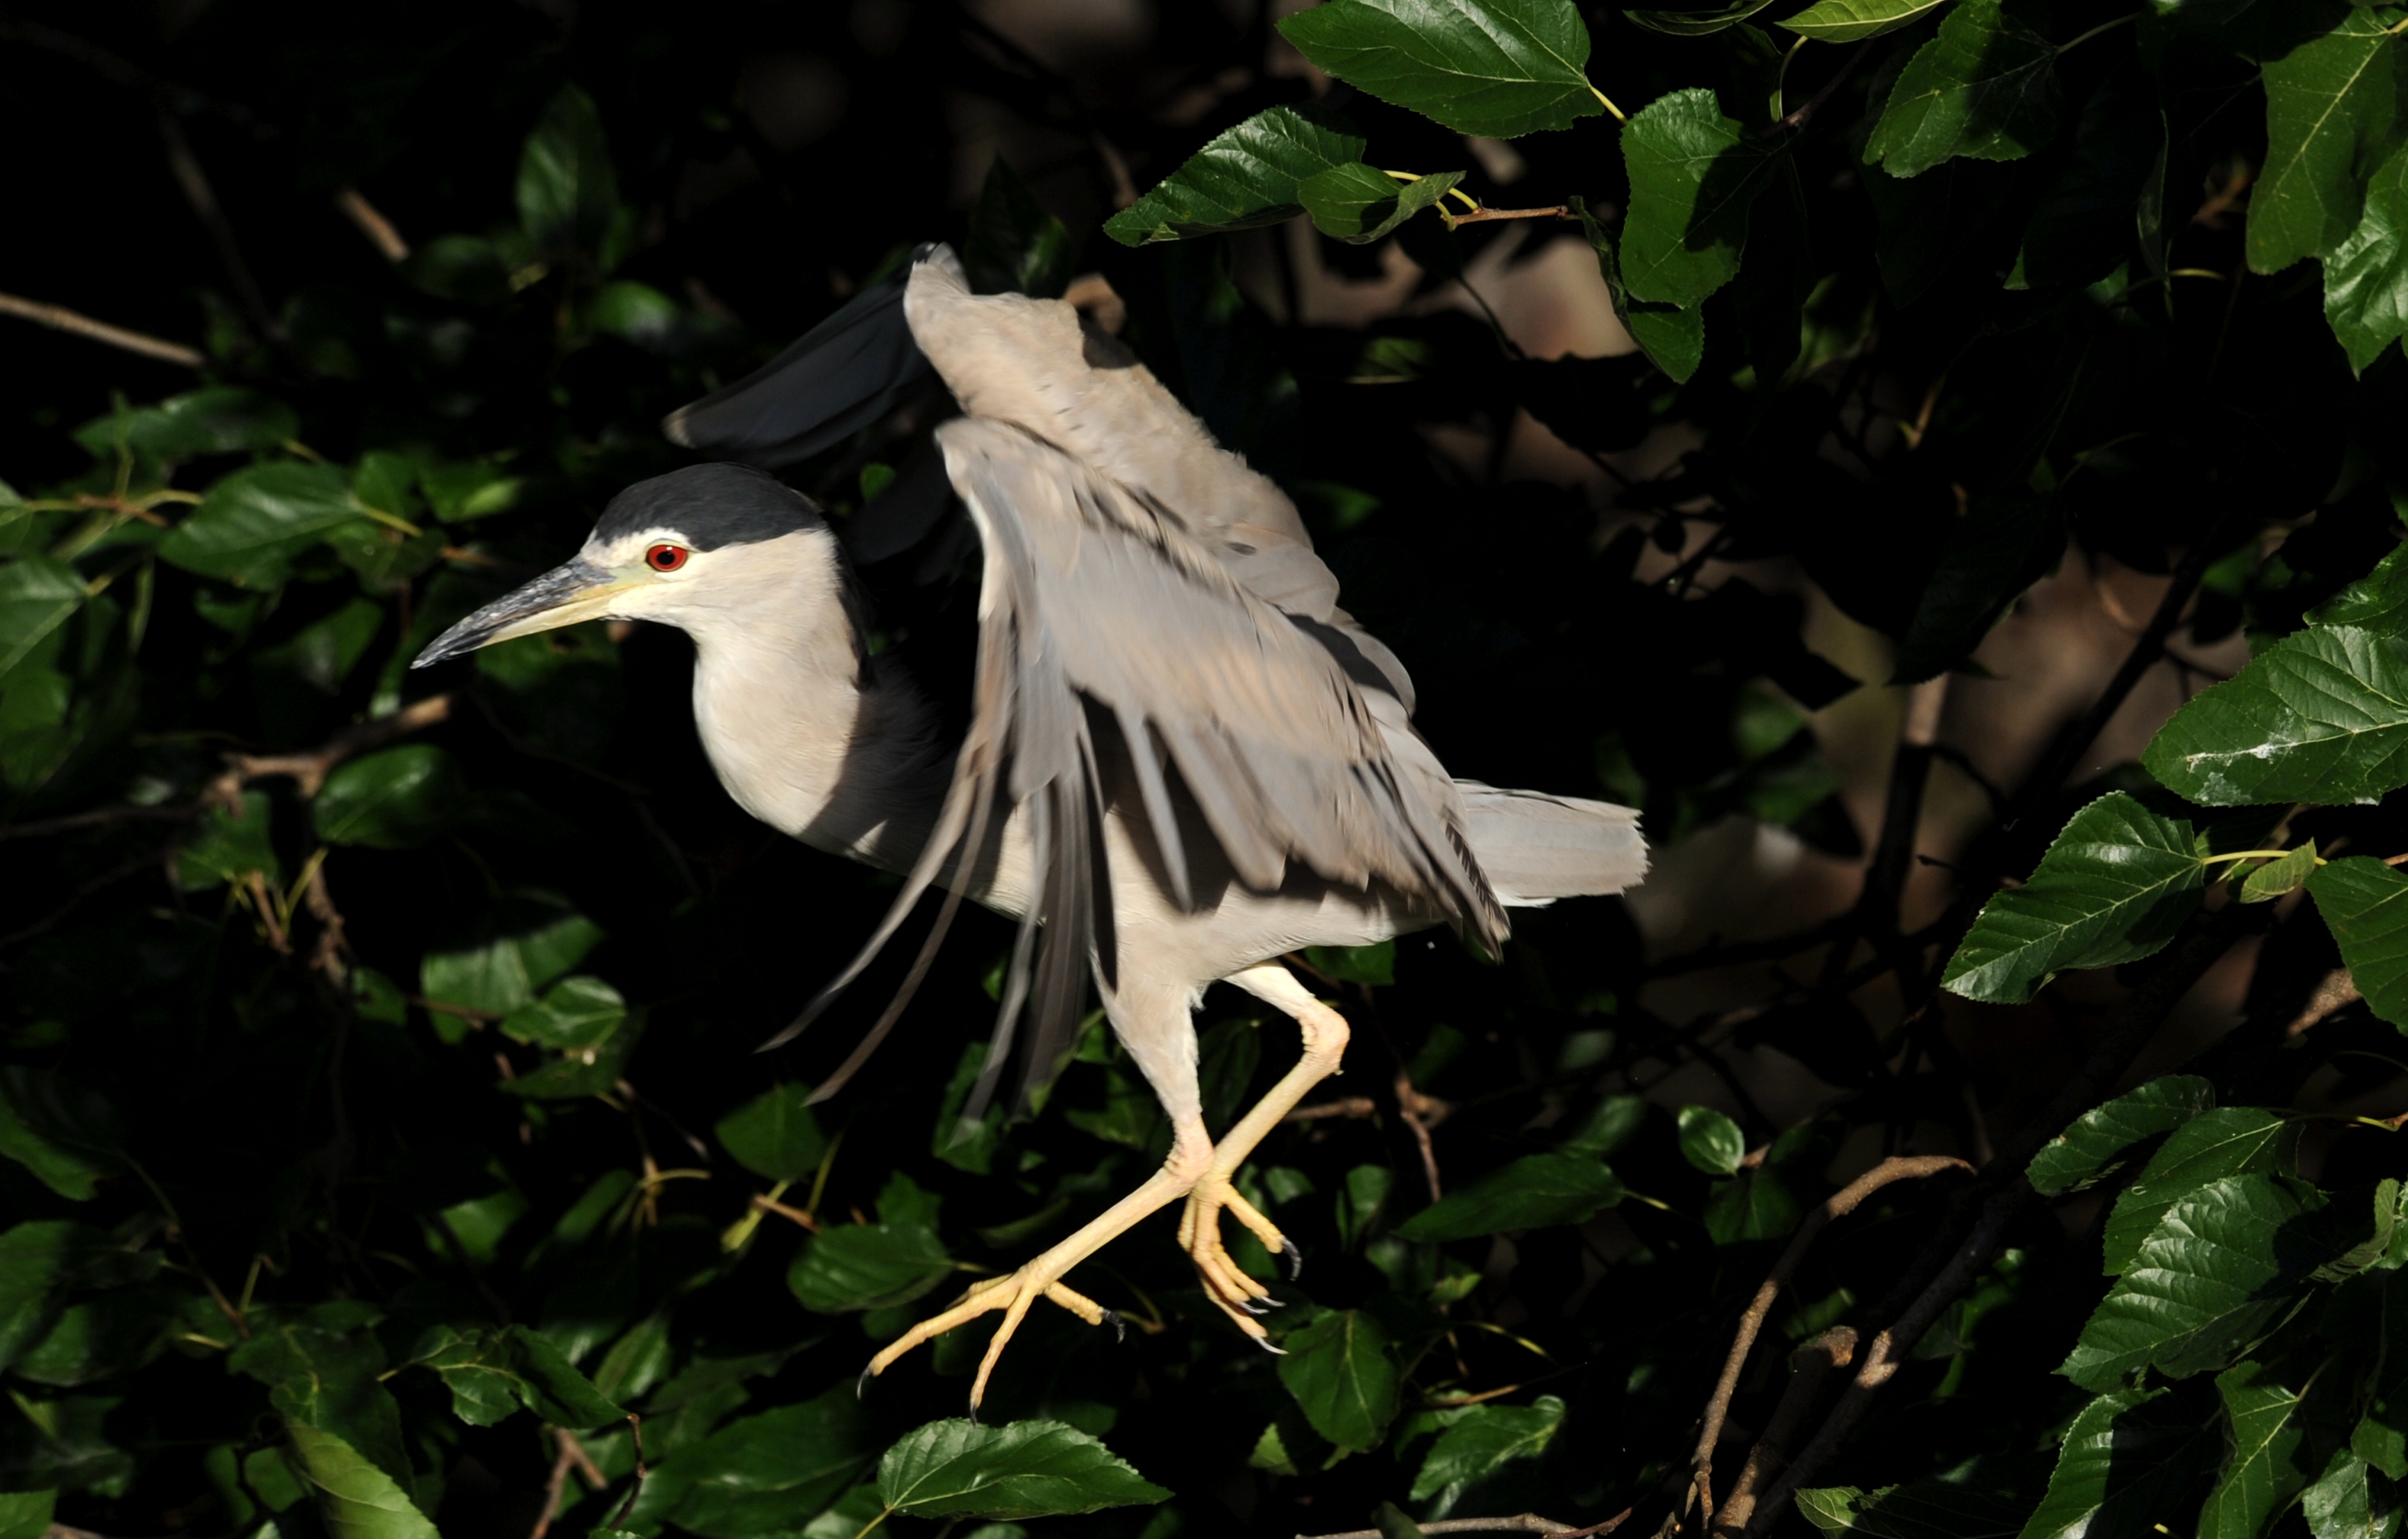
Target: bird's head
x=681 y=549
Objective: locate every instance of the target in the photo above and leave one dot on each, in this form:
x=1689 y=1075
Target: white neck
x=807 y=735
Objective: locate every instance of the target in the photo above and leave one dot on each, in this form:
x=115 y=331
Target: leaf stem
x=872 y=1526
x=2253 y=854
x=2064 y=48
x=1606 y=102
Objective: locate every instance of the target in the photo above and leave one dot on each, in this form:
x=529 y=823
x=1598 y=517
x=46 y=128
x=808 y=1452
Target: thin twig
x=60 y=318
x=1838 y=1205
x=1813 y=104
x=1527 y=1522
x=572 y=1456
x=1480 y=216
x=373 y=225
x=206 y=208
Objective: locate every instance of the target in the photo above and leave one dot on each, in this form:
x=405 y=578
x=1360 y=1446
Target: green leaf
x=26 y=1515
x=530 y=939
x=775 y=1472
x=1752 y=1205
x=1016 y=246
x=567 y=192
x=41 y=1263
x=222 y=420
x=1712 y=1142
x=2321 y=715
x=576 y=1016
x=774 y=1135
x=2129 y=1459
x=2377 y=601
x=1245 y=176
x=2352 y=1502
x=493 y=1372
x=1500 y=68
x=1611 y=1123
x=2227 y=1141
x=1694 y=175
x=2332 y=115
x=1989 y=559
x=1030 y=1469
x=867 y=1266
x=325 y=1372
x=1484 y=1442
x=1358 y=205
x=1674 y=339
x=637 y=313
x=357 y=1500
x=2381 y=1435
x=227 y=844
x=391 y=800
x=582 y=1071
x=2221 y=1265
x=1372 y=964
x=2360 y=901
x=1536 y=1191
x=2366 y=275
x=38 y=594
x=1339 y=1369
x=250 y=523
x=1986 y=88
x=68 y=1136
x=462 y=493
x=1696 y=23
x=2113 y=887
x=2266 y=1468
x=2280 y=877
x=1853 y=20
x=1925 y=1509
x=2095 y=1145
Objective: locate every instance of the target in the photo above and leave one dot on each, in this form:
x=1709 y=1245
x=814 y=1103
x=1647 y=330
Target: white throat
x=804 y=731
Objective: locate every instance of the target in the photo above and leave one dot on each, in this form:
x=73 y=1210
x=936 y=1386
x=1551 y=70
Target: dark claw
x=861 y=1385
x=1120 y=1326
x=1257 y=1306
x=1264 y=1341
x=974 y=1420
x=1295 y=1259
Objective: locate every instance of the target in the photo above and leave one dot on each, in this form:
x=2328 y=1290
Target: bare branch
x=60 y=318
x=1527 y=1522
x=373 y=225
x=1838 y=1205
x=1811 y=1365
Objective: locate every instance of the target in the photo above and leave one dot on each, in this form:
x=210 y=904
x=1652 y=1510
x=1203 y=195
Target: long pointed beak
x=561 y=597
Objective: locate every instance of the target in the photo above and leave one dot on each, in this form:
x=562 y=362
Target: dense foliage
x=385 y=1146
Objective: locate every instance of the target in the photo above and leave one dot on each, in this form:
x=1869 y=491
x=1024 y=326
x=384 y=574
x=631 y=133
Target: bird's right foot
x=1239 y=1297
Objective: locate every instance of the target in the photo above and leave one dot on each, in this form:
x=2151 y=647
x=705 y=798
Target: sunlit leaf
x=494 y=1373
x=389 y=801
x=2112 y=887
x=2366 y=274
x=252 y=523
x=1497 y=67
x=772 y=1473
x=1984 y=88
x=1030 y=1469
x=37 y=595
x=1693 y=174
x=1674 y=339
x=355 y=1499
x=1853 y=20
x=1247 y=176
x=1712 y=1142
x=220 y=420
x=2097 y=1142
x=567 y=189
x=2227 y=1140
x=867 y=1266
x=1483 y=1443
x=2129 y=1457
x=1358 y=205
x=2321 y=715
x=2332 y=114
x=2267 y=1467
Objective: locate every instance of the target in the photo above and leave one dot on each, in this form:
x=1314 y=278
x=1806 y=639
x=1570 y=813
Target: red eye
x=665 y=558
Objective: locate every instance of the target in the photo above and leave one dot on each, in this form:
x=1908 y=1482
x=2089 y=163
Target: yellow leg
x=1239 y=1296
x=1041 y=1278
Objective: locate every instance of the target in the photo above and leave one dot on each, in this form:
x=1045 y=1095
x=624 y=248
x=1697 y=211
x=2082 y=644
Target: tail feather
x=1536 y=848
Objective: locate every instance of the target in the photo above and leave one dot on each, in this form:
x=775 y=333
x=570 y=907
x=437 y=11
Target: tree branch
x=1838 y=1205
x=60 y=318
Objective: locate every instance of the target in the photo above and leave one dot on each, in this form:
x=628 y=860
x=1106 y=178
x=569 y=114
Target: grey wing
x=1099 y=613
x=1040 y=365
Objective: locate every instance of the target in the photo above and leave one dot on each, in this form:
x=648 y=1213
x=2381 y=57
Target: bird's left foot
x=1013 y=1295
x=1239 y=1297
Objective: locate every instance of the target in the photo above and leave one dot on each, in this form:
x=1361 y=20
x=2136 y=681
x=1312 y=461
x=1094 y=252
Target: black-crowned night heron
x=1183 y=762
